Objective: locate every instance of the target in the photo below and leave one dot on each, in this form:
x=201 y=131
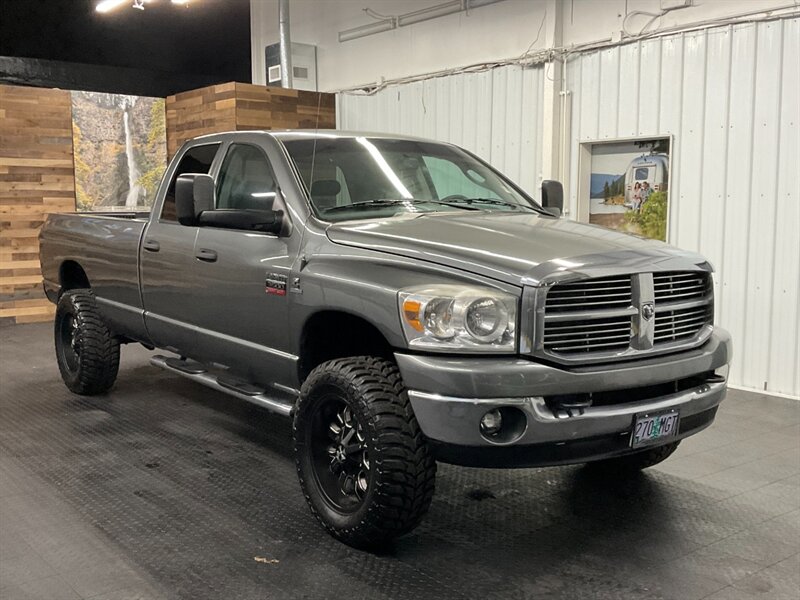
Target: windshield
x=364 y=178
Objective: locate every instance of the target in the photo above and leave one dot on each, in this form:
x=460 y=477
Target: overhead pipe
x=389 y=22
x=285 y=44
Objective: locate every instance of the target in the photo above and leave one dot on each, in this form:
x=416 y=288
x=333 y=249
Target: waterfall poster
x=120 y=147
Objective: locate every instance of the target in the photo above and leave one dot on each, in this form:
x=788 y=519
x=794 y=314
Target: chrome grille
x=673 y=286
x=577 y=335
x=672 y=325
x=603 y=292
x=622 y=316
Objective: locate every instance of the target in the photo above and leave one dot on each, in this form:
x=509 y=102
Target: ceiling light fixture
x=107 y=5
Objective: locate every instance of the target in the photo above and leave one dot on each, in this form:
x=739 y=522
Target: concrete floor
x=164 y=489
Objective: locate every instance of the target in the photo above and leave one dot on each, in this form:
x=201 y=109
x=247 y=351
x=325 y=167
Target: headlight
x=461 y=318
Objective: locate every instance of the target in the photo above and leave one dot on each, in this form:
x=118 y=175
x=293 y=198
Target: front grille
x=577 y=335
x=623 y=316
x=673 y=286
x=603 y=292
x=673 y=325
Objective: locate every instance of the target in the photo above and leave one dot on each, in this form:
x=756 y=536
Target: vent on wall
x=304 y=66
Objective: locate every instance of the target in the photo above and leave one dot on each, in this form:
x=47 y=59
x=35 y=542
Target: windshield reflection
x=360 y=178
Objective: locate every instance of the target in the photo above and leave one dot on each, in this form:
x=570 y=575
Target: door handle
x=206 y=255
x=151 y=246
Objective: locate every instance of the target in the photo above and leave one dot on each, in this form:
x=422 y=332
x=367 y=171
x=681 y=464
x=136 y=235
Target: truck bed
x=106 y=246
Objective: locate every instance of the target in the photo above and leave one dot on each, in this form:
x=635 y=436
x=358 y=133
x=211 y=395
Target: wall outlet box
x=673 y=4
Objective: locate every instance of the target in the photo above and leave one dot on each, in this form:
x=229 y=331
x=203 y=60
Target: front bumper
x=450 y=396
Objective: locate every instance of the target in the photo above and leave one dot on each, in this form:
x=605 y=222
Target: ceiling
x=211 y=37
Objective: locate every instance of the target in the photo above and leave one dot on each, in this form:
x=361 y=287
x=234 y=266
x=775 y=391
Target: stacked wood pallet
x=36 y=178
x=240 y=106
x=37 y=171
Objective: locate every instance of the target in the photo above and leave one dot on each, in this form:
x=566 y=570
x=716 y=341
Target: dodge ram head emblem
x=648 y=310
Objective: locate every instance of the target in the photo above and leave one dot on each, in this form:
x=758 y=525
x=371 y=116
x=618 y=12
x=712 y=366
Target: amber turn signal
x=411 y=309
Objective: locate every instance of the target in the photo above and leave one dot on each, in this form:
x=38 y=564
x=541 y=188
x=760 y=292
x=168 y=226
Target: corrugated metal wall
x=730 y=96
x=496 y=114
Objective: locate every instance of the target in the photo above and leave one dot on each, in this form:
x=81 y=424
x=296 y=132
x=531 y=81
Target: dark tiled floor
x=165 y=489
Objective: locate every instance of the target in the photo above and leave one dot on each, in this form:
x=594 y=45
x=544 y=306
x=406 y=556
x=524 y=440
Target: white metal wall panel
x=732 y=276
x=784 y=351
x=495 y=114
x=731 y=98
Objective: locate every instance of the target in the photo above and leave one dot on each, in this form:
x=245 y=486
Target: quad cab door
x=167 y=262
x=243 y=294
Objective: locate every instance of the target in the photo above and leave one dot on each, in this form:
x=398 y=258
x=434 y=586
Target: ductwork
x=286 y=44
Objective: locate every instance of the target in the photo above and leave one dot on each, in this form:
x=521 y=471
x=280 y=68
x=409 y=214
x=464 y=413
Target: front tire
x=87 y=353
x=364 y=465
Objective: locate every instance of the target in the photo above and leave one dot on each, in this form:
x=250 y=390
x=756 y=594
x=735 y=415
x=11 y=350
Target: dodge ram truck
x=403 y=303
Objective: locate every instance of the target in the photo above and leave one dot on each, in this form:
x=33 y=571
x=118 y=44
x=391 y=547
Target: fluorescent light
x=365 y=30
x=440 y=10
x=107 y=5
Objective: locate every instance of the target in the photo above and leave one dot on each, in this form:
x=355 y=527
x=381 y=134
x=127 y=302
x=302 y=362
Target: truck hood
x=521 y=249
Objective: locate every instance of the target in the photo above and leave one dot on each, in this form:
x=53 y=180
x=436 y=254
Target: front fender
x=365 y=284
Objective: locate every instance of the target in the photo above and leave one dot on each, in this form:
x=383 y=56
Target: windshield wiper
x=393 y=202
x=492 y=201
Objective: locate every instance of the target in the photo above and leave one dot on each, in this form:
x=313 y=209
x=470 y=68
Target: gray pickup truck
x=404 y=303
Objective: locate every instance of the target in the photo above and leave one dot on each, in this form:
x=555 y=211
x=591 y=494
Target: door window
x=196 y=160
x=246 y=180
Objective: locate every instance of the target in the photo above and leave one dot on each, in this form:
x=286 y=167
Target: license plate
x=651 y=428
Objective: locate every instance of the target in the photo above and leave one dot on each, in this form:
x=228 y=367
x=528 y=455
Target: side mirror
x=553 y=197
x=194 y=193
x=246 y=219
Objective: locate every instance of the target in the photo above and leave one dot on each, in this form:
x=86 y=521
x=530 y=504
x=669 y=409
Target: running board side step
x=210 y=380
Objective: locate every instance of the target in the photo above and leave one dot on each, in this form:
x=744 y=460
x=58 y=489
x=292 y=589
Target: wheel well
x=71 y=276
x=334 y=334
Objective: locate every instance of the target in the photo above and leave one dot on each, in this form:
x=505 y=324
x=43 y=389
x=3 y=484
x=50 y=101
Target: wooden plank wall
x=241 y=106
x=36 y=178
x=37 y=173
x=196 y=112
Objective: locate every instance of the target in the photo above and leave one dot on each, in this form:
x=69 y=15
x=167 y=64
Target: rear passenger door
x=242 y=295
x=167 y=263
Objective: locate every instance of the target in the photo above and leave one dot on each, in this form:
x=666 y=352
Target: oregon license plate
x=656 y=427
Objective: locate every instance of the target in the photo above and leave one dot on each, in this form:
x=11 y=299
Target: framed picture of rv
x=624 y=185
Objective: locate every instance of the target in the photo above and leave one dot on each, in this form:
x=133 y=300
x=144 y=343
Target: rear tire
x=364 y=465
x=632 y=463
x=87 y=353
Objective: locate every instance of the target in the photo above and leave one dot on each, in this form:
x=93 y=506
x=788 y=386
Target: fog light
x=492 y=422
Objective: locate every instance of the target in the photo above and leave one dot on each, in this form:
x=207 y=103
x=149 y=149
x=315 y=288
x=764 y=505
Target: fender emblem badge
x=276 y=284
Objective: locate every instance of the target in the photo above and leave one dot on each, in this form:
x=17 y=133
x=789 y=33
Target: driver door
x=242 y=300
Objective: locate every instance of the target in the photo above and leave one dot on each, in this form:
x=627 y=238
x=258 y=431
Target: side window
x=196 y=160
x=450 y=180
x=246 y=180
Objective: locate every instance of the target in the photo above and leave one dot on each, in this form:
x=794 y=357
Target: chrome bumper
x=457 y=420
x=453 y=420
